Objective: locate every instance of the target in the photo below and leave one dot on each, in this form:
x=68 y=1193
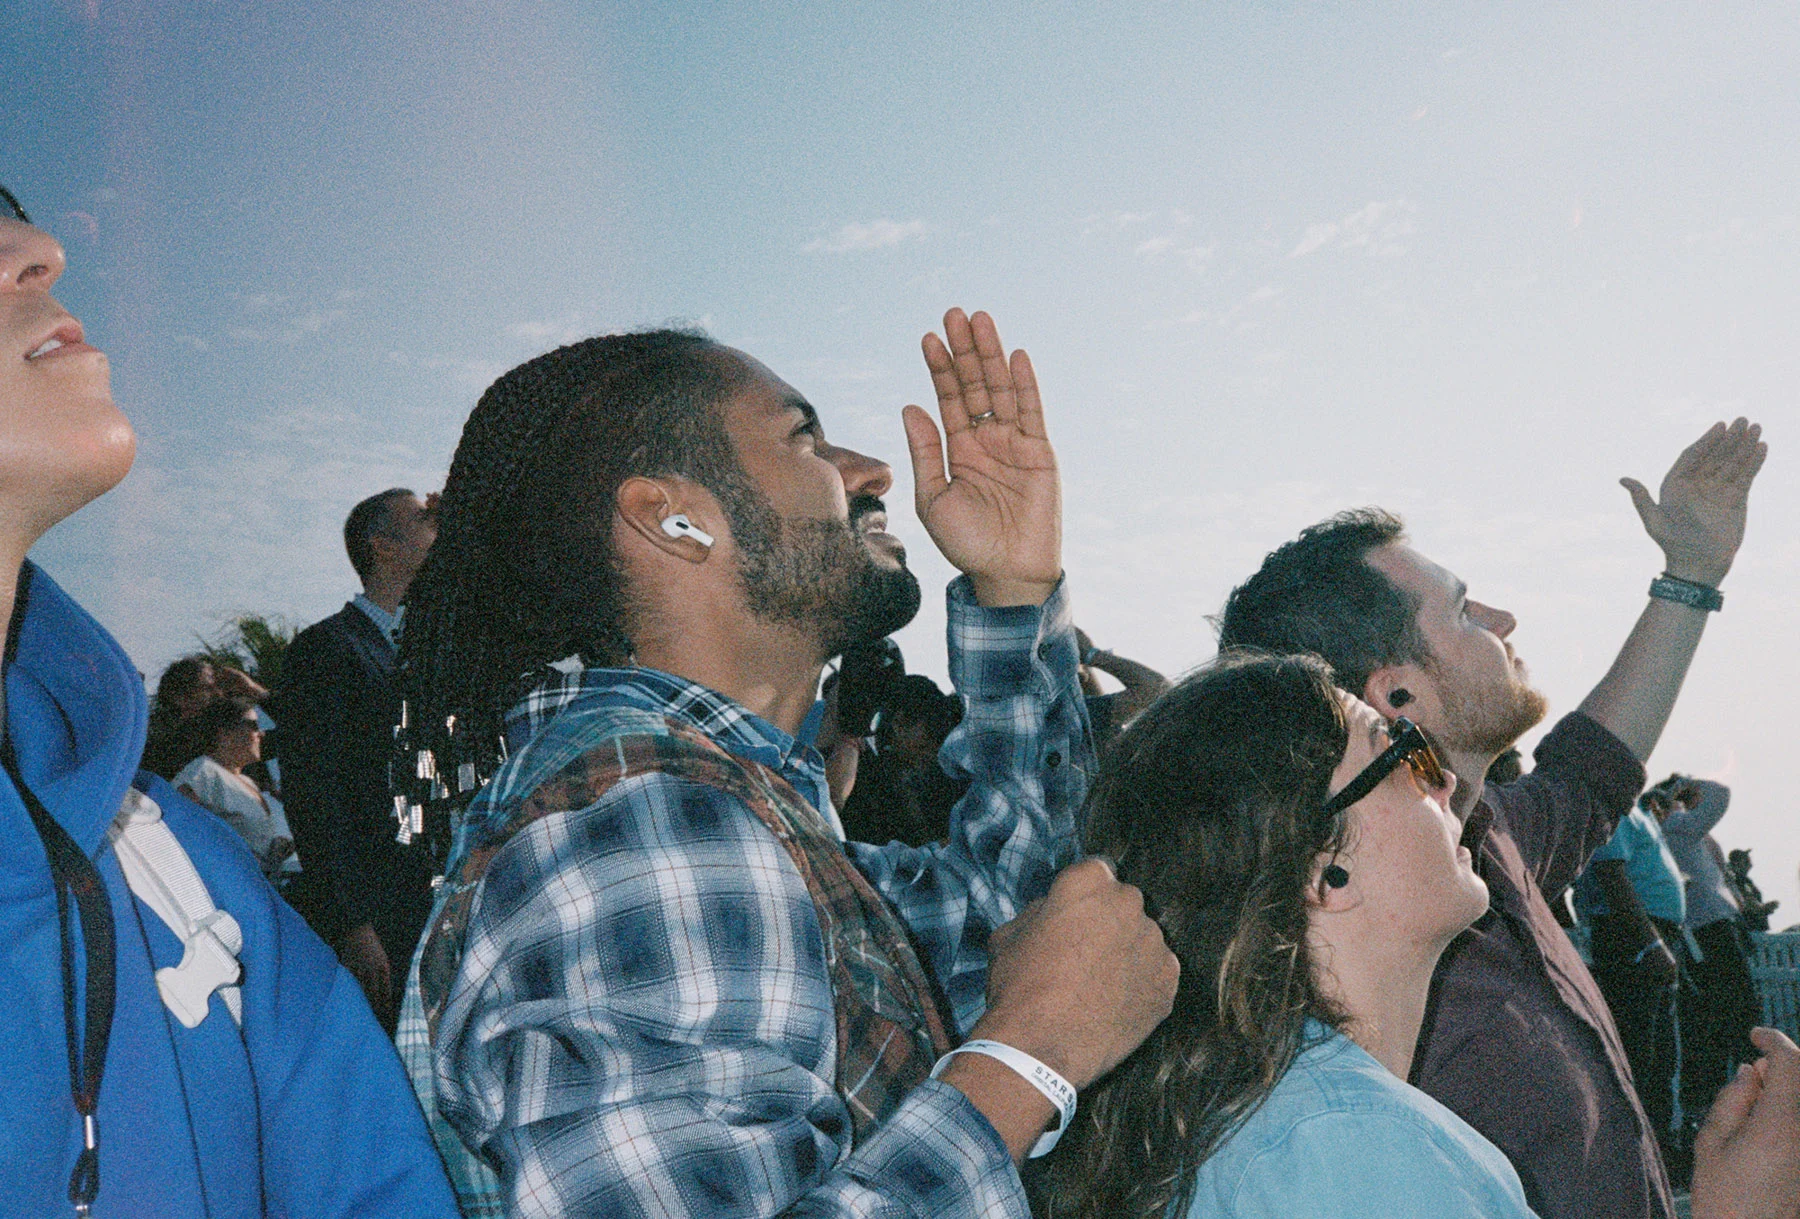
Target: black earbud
x=1400 y=697
x=1335 y=877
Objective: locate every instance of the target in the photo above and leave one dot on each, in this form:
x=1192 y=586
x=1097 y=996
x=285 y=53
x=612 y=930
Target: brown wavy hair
x=1211 y=803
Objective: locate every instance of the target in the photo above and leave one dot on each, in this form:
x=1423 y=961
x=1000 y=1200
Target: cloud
x=875 y=235
x=85 y=221
x=1379 y=227
x=1195 y=255
x=1239 y=317
x=466 y=374
x=304 y=326
x=1114 y=222
x=550 y=332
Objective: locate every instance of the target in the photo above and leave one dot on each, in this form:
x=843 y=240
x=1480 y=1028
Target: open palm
x=997 y=513
x=1698 y=519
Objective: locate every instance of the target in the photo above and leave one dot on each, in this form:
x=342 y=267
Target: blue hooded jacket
x=303 y=1112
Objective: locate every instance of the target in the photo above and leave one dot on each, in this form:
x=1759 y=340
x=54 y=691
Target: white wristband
x=1057 y=1090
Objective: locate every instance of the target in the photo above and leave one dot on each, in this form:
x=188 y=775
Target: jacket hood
x=75 y=709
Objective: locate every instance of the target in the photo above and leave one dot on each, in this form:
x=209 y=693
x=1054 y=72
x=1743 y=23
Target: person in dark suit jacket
x=337 y=706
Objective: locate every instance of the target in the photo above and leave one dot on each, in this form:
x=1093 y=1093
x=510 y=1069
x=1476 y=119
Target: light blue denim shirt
x=1341 y=1138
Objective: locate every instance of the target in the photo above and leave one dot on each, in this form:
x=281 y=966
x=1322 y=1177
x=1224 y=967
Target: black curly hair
x=522 y=572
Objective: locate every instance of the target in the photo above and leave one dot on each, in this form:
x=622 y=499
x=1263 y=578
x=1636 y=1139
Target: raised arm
x=1700 y=804
x=1699 y=524
x=1143 y=685
x=997 y=514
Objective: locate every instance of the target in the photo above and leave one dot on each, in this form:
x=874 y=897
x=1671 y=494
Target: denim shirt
x=1341 y=1138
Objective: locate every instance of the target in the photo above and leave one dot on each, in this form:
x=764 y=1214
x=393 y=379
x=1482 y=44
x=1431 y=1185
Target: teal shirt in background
x=1650 y=866
x=1341 y=1138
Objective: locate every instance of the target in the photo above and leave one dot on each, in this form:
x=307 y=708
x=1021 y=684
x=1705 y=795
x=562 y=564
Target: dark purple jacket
x=1518 y=1041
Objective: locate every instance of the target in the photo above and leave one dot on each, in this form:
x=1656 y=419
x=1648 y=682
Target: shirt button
x=1053 y=759
x=1044 y=650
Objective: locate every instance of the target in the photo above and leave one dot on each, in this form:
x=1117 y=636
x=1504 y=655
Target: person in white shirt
x=229 y=732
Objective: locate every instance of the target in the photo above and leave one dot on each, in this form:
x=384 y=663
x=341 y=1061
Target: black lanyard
x=75 y=876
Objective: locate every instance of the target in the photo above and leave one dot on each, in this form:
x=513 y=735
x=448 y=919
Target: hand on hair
x=235 y=683
x=1747 y=1155
x=1081 y=977
x=998 y=514
x=1699 y=522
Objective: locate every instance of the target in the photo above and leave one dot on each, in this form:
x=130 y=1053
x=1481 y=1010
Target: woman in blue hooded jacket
x=251 y=1080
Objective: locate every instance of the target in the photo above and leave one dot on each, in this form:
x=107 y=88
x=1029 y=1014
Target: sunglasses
x=1411 y=746
x=13 y=204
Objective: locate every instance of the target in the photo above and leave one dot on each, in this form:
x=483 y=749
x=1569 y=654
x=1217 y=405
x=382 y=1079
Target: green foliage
x=251 y=642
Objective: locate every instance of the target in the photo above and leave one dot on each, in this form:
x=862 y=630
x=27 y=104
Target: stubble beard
x=819 y=576
x=1489 y=720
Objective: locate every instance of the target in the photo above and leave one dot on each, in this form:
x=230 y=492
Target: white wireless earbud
x=678 y=526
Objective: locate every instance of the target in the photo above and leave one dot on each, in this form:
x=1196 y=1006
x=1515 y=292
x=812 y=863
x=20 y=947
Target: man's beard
x=819 y=575
x=1487 y=721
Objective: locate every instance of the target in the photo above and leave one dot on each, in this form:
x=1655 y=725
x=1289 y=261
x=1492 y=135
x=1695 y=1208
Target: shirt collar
x=728 y=724
x=1476 y=826
x=388 y=624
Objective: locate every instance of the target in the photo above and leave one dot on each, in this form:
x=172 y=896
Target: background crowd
x=1664 y=913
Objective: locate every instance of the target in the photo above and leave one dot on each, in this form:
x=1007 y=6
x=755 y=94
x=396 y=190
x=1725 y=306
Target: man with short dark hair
x=337 y=707
x=658 y=982
x=1518 y=1041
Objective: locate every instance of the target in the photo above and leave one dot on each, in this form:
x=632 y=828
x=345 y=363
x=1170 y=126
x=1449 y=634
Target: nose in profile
x=863 y=475
x=1496 y=620
x=30 y=259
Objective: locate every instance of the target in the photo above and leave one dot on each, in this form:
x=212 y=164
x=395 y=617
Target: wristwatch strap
x=1700 y=596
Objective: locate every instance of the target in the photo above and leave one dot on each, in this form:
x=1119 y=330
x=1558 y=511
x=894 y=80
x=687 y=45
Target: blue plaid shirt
x=643 y=1022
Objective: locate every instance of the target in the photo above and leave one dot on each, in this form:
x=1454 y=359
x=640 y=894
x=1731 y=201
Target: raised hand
x=997 y=515
x=1699 y=521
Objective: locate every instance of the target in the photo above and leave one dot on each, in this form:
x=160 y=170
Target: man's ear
x=645 y=503
x=1392 y=689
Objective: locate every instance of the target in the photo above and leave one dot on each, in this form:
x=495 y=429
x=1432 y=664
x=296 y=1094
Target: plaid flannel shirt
x=643 y=1022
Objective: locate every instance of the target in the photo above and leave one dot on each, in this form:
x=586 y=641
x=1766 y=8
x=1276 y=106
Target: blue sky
x=1472 y=263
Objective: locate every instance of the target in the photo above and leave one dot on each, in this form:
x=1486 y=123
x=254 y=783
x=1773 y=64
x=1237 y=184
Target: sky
x=1469 y=262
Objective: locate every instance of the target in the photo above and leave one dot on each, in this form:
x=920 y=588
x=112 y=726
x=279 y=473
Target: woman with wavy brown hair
x=1301 y=857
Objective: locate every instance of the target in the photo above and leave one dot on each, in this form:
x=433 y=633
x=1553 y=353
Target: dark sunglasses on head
x=1411 y=746
x=13 y=204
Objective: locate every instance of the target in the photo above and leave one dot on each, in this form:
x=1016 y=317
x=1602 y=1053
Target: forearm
x=1143 y=685
x=1622 y=901
x=1634 y=699
x=1024 y=747
x=1018 y=1112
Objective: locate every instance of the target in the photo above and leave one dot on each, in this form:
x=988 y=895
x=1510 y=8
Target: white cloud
x=550 y=332
x=1194 y=254
x=1380 y=227
x=1114 y=221
x=875 y=235
x=304 y=326
x=465 y=374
